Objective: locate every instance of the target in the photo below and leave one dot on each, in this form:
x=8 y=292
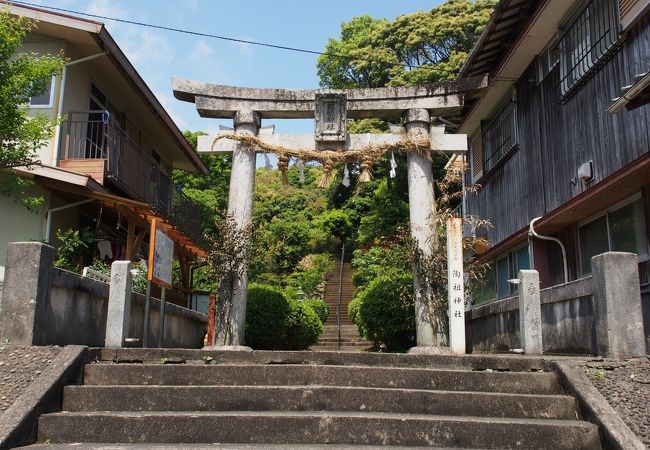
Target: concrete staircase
x=350 y=338
x=290 y=399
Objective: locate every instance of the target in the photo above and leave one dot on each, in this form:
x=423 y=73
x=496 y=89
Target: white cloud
x=107 y=8
x=201 y=52
x=192 y=4
x=244 y=48
x=141 y=45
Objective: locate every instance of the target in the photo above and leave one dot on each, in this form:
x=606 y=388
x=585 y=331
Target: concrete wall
x=77 y=311
x=570 y=322
x=567 y=321
x=56 y=307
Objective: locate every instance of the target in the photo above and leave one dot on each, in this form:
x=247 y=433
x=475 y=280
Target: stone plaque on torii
x=415 y=106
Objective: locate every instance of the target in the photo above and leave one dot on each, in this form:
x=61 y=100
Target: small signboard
x=161 y=256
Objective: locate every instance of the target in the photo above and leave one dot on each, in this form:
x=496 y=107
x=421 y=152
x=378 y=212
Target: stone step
x=95 y=446
x=305 y=428
x=291 y=374
x=470 y=362
x=347 y=341
x=343 y=348
x=316 y=398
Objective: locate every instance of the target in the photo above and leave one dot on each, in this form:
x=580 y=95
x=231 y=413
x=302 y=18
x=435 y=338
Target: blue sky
x=159 y=55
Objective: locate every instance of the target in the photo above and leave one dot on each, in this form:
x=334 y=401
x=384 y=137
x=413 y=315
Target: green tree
x=422 y=47
x=22 y=75
x=208 y=191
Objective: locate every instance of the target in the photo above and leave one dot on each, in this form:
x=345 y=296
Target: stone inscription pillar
x=422 y=213
x=118 y=318
x=240 y=208
x=530 y=312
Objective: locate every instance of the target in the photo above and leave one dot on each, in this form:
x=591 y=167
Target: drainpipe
x=48 y=216
x=532 y=232
x=59 y=113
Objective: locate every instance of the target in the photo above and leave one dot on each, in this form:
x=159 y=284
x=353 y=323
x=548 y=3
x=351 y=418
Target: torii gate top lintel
x=222 y=102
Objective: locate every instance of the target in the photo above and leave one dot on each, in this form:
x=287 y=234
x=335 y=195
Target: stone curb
x=18 y=424
x=595 y=408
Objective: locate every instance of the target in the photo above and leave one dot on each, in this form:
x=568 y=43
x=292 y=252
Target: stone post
x=617 y=301
x=240 y=208
x=422 y=213
x=28 y=276
x=118 y=318
x=530 y=312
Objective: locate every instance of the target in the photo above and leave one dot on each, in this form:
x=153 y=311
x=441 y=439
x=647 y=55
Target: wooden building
x=108 y=167
x=561 y=134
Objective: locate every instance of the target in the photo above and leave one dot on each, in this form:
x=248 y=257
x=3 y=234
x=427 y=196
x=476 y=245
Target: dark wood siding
x=556 y=138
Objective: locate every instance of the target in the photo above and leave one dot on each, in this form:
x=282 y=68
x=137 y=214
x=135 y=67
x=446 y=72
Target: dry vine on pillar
x=229 y=252
x=430 y=268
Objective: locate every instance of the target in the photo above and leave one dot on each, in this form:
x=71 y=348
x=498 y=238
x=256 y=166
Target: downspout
x=59 y=113
x=48 y=216
x=532 y=232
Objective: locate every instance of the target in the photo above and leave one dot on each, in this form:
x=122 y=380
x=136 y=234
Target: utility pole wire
x=208 y=35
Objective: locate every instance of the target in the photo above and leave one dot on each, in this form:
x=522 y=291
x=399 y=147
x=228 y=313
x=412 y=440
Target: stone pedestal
x=26 y=292
x=118 y=317
x=530 y=312
x=240 y=208
x=422 y=213
x=617 y=301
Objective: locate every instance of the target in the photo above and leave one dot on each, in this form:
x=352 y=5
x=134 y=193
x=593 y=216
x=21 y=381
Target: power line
x=197 y=33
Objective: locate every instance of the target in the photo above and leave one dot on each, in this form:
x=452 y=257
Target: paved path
x=626 y=386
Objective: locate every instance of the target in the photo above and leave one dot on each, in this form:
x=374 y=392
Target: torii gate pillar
x=240 y=208
x=422 y=215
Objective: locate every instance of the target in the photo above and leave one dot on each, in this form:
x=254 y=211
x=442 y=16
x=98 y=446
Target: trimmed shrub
x=266 y=317
x=385 y=312
x=320 y=308
x=303 y=327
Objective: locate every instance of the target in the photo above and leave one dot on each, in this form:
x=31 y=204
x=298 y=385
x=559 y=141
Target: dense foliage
x=384 y=312
x=22 y=75
x=319 y=307
x=274 y=322
x=303 y=327
x=267 y=310
x=417 y=48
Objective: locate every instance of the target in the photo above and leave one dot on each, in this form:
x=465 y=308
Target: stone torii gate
x=414 y=106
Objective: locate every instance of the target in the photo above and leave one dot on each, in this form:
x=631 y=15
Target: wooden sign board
x=456 y=285
x=161 y=256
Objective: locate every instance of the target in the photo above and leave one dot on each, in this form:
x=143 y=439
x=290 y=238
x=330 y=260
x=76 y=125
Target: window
x=46 y=99
x=621 y=229
x=547 y=60
x=494 y=284
x=500 y=137
x=586 y=41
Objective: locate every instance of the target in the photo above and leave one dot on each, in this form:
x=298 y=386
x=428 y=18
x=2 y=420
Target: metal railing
x=500 y=137
x=93 y=135
x=585 y=43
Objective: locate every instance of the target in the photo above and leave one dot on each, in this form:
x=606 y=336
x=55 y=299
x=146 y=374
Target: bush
x=385 y=312
x=267 y=311
x=303 y=327
x=319 y=307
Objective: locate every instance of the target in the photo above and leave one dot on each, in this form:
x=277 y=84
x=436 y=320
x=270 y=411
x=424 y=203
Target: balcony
x=97 y=146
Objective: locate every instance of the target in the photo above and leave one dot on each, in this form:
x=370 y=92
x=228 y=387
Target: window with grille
x=586 y=41
x=500 y=137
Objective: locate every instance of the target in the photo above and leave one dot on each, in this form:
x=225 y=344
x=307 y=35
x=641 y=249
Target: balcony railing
x=93 y=136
